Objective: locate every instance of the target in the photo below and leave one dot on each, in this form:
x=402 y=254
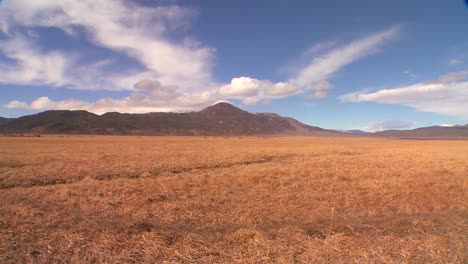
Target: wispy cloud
x=455 y=61
x=141 y=34
x=31 y=65
x=453 y=76
x=387 y=125
x=177 y=74
x=312 y=78
x=409 y=74
x=150 y=96
x=324 y=66
x=446 y=96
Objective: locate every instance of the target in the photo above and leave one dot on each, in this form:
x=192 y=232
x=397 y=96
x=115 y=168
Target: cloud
x=318 y=48
x=387 y=125
x=311 y=78
x=319 y=86
x=455 y=61
x=319 y=89
x=319 y=94
x=241 y=87
x=279 y=89
x=409 y=74
x=32 y=66
x=15 y=104
x=42 y=103
x=446 y=96
x=453 y=76
x=142 y=34
x=168 y=72
x=323 y=67
x=156 y=90
x=149 y=98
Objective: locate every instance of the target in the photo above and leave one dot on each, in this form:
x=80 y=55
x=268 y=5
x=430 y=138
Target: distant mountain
x=357 y=132
x=4 y=120
x=460 y=131
x=221 y=119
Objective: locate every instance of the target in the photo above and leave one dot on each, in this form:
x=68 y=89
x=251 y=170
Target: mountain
x=77 y=122
x=357 y=132
x=4 y=120
x=221 y=119
x=460 y=131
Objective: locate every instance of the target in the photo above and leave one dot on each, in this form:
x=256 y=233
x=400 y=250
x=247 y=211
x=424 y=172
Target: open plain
x=135 y=199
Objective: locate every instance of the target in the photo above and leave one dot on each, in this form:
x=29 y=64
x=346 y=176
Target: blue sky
x=370 y=65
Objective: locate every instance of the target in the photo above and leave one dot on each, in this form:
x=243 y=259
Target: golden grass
x=241 y=200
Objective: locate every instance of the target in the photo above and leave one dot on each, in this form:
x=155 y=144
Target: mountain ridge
x=4 y=120
x=460 y=131
x=221 y=119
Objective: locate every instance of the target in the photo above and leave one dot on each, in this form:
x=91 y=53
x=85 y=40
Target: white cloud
x=43 y=103
x=251 y=91
x=151 y=99
x=251 y=100
x=319 y=86
x=319 y=89
x=319 y=94
x=313 y=76
x=241 y=87
x=15 y=104
x=141 y=34
x=409 y=74
x=279 y=89
x=32 y=66
x=46 y=103
x=445 y=96
x=455 y=61
x=172 y=74
x=453 y=76
x=322 y=67
x=318 y=48
x=387 y=125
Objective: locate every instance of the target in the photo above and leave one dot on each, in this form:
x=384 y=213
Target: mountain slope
x=427 y=132
x=357 y=132
x=57 y=121
x=220 y=119
x=4 y=120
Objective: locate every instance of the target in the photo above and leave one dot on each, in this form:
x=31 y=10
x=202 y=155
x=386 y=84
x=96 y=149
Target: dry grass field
x=236 y=200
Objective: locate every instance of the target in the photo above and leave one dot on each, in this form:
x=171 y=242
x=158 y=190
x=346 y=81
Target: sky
x=370 y=65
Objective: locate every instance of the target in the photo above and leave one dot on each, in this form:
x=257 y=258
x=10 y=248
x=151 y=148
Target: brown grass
x=212 y=200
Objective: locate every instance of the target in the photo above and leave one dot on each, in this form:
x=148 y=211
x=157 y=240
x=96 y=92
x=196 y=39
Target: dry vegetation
x=155 y=199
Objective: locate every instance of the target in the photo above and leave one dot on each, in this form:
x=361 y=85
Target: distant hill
x=460 y=131
x=221 y=119
x=4 y=120
x=357 y=132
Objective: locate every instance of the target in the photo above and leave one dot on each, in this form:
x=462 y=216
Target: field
x=242 y=200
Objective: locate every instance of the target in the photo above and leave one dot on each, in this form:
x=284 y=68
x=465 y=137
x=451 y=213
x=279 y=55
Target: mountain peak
x=219 y=119
x=222 y=108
